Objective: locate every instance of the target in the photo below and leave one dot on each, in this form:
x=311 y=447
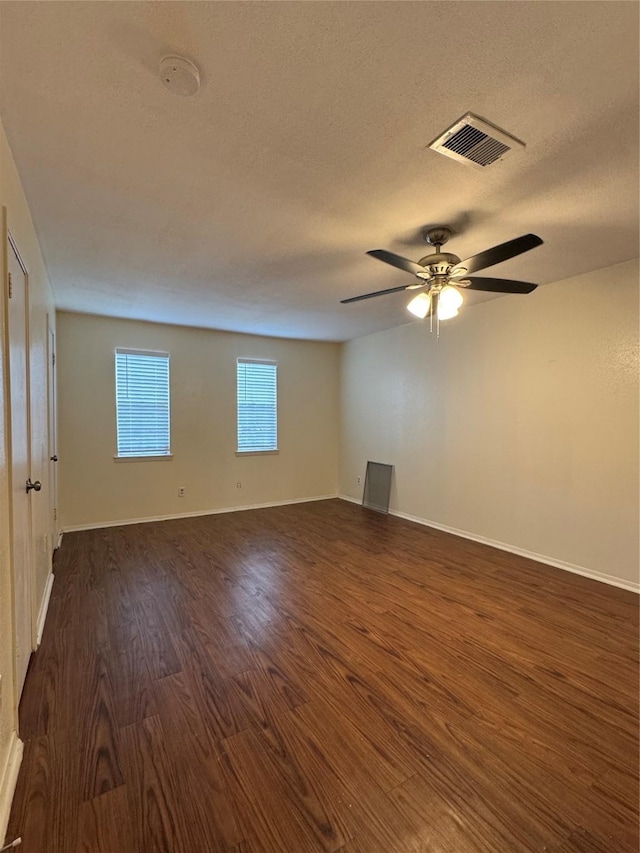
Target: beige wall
x=41 y=304
x=94 y=488
x=520 y=425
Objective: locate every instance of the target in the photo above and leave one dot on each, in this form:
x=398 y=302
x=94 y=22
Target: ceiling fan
x=443 y=274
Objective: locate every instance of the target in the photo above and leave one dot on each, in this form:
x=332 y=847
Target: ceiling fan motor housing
x=439 y=263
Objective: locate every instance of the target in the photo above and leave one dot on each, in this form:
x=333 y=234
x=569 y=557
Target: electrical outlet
x=238 y=485
x=359 y=478
x=181 y=491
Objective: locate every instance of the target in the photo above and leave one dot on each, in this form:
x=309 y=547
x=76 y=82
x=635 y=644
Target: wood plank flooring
x=318 y=677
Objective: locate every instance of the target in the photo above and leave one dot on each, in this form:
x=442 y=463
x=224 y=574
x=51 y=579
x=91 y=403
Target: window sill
x=143 y=458
x=257 y=452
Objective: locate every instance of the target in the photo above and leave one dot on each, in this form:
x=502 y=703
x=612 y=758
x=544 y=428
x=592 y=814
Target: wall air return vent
x=475 y=141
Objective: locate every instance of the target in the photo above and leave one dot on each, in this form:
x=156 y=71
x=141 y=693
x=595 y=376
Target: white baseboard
x=8 y=781
x=514 y=549
x=59 y=543
x=44 y=606
x=100 y=524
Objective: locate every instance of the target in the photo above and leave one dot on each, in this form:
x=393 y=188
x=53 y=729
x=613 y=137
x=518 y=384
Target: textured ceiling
x=250 y=206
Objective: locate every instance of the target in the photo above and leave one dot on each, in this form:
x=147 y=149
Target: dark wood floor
x=321 y=678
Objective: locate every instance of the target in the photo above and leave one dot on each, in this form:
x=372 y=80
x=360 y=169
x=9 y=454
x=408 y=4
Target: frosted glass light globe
x=446 y=312
x=450 y=298
x=419 y=305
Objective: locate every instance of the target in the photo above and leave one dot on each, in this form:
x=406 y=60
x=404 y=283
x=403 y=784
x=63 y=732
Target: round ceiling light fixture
x=179 y=75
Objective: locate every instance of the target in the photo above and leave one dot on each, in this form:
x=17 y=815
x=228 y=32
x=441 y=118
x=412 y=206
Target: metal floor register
x=377 y=486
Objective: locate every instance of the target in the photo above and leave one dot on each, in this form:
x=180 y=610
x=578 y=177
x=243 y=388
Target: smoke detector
x=474 y=141
x=179 y=75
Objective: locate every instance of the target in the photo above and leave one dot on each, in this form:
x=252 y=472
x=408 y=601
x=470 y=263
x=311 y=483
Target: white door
x=53 y=435
x=20 y=461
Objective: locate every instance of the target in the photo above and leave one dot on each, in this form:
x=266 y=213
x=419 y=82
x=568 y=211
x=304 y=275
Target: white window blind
x=142 y=403
x=257 y=405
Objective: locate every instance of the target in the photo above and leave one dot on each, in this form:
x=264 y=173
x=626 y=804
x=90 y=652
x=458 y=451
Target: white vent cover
x=474 y=141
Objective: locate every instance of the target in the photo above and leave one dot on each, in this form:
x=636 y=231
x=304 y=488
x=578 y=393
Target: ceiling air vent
x=474 y=141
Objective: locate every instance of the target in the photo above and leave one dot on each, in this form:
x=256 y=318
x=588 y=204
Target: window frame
x=257 y=451
x=156 y=456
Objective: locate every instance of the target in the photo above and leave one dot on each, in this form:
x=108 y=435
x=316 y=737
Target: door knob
x=35 y=486
x=53 y=458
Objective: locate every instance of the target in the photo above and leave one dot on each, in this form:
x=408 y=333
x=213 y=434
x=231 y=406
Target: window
x=142 y=403
x=257 y=406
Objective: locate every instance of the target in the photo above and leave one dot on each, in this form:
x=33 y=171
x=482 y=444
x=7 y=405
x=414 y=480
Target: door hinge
x=10 y=286
x=53 y=359
x=55 y=514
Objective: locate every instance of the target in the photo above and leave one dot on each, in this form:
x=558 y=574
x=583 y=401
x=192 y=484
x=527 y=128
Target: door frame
x=52 y=435
x=9 y=244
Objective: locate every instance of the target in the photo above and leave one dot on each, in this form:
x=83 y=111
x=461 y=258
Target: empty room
x=319 y=456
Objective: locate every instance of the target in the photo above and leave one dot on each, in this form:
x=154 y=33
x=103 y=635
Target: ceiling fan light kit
x=449 y=300
x=443 y=273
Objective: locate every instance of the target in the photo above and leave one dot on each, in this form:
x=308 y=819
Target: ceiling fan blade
x=499 y=285
x=396 y=261
x=377 y=293
x=497 y=254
